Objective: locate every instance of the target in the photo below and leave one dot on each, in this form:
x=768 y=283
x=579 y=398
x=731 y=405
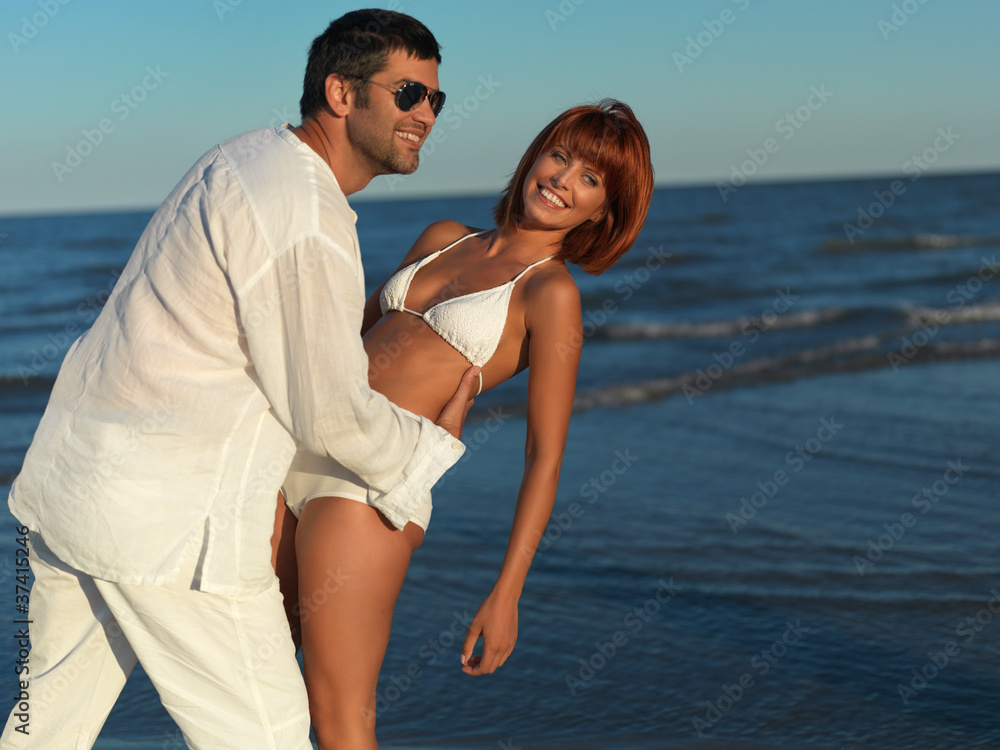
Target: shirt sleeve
x=302 y=317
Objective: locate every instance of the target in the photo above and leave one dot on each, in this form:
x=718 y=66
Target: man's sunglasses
x=411 y=93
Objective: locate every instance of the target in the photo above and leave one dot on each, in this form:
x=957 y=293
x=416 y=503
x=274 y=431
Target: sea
x=777 y=524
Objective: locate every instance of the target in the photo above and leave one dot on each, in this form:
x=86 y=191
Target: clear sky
x=811 y=88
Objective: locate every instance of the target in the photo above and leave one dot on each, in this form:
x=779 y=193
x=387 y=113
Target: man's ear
x=339 y=94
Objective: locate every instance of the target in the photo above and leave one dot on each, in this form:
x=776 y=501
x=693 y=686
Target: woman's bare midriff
x=411 y=365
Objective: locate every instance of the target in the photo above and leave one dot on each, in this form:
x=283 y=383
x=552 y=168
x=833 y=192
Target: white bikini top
x=471 y=323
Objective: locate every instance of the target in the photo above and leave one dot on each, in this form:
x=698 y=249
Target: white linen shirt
x=233 y=331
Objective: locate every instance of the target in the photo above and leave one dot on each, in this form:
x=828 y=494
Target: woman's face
x=562 y=191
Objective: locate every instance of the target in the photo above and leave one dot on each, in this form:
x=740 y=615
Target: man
x=150 y=486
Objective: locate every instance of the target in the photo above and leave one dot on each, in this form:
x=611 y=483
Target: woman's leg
x=285 y=565
x=352 y=563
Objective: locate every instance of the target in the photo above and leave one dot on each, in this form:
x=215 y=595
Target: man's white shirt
x=233 y=332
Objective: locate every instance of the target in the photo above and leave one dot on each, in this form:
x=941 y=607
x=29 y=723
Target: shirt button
x=456 y=445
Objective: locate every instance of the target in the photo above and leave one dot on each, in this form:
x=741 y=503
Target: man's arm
x=302 y=316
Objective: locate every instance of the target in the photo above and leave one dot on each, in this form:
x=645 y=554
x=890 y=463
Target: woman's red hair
x=609 y=136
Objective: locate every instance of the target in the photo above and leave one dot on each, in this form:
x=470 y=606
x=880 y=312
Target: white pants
x=224 y=667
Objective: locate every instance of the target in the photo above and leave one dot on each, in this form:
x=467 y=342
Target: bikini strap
x=528 y=268
x=449 y=247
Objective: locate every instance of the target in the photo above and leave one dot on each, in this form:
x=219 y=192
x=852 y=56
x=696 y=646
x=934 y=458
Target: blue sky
x=808 y=89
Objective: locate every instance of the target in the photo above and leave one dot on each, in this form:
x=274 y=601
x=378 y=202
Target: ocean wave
x=708 y=329
x=21 y=384
x=868 y=352
x=907 y=316
x=910 y=242
x=981 y=313
x=854 y=355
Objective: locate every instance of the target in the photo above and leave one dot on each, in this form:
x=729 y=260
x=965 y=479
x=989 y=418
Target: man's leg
x=224 y=667
x=78 y=664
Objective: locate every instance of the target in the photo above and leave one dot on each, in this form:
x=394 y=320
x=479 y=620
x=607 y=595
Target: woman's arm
x=553 y=321
x=373 y=310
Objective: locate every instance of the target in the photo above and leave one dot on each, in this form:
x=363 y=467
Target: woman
x=499 y=299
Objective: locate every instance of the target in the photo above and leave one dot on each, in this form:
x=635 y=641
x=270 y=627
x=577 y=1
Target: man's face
x=386 y=137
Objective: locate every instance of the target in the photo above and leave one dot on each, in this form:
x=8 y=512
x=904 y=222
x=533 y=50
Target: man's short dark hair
x=357 y=45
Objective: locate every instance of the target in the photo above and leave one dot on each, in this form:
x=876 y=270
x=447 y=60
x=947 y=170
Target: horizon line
x=679 y=185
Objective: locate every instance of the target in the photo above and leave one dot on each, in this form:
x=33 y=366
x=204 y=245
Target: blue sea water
x=776 y=522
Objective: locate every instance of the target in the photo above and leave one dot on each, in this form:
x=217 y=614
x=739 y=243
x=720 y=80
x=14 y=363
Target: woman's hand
x=496 y=622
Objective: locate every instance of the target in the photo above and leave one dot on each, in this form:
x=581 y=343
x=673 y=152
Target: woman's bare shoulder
x=553 y=279
x=438 y=235
x=551 y=292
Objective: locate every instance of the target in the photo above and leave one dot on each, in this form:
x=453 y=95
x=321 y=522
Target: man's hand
x=452 y=416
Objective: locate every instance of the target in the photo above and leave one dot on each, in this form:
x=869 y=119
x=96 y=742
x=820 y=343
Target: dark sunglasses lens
x=437 y=102
x=410 y=95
